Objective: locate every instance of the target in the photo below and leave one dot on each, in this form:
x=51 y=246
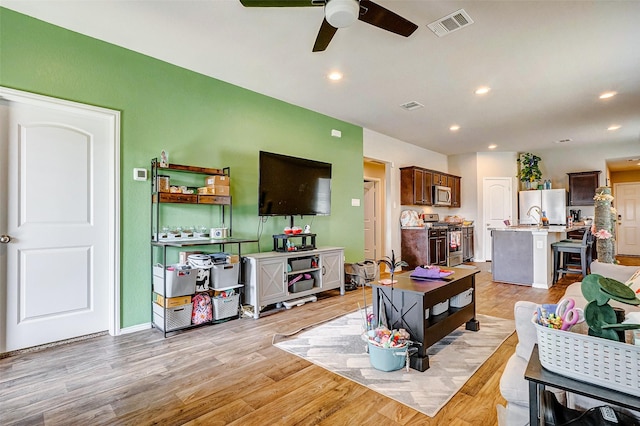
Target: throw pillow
x=634 y=282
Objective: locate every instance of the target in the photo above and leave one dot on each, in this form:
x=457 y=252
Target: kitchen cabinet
x=273 y=277
x=440 y=179
x=582 y=187
x=424 y=246
x=415 y=186
x=467 y=243
x=454 y=182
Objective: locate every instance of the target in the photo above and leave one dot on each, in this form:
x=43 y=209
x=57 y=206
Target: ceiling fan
x=342 y=13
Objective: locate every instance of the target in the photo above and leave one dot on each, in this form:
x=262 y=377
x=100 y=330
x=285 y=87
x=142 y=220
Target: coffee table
x=406 y=302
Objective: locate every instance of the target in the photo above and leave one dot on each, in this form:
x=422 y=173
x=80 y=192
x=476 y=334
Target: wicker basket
x=602 y=362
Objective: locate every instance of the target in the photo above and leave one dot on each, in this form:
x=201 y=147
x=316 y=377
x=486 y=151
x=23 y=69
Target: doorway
x=59 y=264
x=374 y=201
x=497 y=199
x=627 y=203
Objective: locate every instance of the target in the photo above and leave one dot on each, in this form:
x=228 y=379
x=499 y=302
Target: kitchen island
x=522 y=254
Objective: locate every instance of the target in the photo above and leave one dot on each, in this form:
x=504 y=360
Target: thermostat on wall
x=139 y=174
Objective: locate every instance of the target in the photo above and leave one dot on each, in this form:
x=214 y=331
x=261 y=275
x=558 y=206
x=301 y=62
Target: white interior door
x=497 y=200
x=370 y=220
x=627 y=202
x=58 y=209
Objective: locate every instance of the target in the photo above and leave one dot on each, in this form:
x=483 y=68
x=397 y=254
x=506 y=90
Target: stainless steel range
x=453 y=237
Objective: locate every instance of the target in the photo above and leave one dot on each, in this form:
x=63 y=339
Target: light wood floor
x=231 y=374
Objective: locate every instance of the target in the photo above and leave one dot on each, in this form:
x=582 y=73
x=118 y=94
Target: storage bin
x=177 y=317
x=302 y=285
x=440 y=308
x=225 y=307
x=216 y=180
x=224 y=275
x=171 y=302
x=603 y=362
x=461 y=300
x=388 y=359
x=180 y=281
x=300 y=264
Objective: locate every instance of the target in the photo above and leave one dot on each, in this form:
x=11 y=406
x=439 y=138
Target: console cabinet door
x=272 y=278
x=332 y=269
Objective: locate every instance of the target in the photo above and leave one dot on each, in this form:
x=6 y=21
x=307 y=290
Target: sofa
x=513 y=386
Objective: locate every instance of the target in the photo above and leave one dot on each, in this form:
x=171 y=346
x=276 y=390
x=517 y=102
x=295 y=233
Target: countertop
x=532 y=228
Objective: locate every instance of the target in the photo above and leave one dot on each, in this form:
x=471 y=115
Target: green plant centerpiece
x=393 y=264
x=530 y=169
x=599 y=315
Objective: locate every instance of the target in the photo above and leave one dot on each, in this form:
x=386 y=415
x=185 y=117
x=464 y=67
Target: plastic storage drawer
x=180 y=282
x=177 y=317
x=225 y=307
x=463 y=299
x=224 y=275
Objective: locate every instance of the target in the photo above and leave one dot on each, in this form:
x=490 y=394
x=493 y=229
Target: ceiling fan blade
x=325 y=35
x=378 y=16
x=281 y=3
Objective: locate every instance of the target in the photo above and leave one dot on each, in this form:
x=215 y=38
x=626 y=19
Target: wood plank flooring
x=230 y=374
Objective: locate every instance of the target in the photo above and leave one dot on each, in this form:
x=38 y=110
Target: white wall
x=395 y=154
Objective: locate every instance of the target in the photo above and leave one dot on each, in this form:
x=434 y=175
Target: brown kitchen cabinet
x=454 y=183
x=582 y=187
x=415 y=186
x=424 y=246
x=440 y=179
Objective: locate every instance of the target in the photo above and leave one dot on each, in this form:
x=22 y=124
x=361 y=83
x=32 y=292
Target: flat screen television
x=291 y=186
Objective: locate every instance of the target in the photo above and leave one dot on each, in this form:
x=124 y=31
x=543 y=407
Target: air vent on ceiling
x=451 y=23
x=410 y=106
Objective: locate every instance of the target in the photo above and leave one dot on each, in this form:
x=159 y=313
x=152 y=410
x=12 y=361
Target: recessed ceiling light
x=607 y=95
x=493 y=146
x=335 y=76
x=614 y=127
x=633 y=159
x=482 y=90
x=454 y=128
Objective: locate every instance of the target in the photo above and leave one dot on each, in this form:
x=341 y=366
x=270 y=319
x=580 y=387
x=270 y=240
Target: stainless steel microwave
x=441 y=195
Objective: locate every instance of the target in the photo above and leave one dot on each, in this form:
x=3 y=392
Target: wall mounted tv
x=291 y=186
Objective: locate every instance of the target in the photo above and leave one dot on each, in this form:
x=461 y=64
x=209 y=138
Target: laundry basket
x=603 y=362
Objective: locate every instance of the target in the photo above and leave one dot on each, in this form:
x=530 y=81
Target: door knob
x=5 y=239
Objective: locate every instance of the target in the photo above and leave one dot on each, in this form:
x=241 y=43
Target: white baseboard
x=135 y=328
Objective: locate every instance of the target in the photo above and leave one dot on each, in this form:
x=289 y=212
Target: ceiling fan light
x=341 y=13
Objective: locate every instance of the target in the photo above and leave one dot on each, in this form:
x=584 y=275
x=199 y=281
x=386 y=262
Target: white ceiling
x=545 y=61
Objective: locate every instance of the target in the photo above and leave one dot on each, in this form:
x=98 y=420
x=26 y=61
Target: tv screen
x=291 y=186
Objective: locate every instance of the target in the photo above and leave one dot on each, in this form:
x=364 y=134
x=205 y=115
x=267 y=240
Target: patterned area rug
x=337 y=346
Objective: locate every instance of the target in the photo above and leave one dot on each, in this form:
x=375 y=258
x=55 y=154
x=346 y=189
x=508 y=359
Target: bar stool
x=566 y=247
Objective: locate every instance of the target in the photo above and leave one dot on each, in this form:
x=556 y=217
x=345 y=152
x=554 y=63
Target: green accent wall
x=200 y=121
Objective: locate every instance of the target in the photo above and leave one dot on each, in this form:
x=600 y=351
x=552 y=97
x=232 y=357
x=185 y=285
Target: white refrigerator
x=552 y=201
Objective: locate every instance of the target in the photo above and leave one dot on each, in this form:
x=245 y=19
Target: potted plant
x=599 y=315
x=530 y=170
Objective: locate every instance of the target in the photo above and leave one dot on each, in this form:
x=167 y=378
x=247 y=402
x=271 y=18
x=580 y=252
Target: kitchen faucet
x=538 y=210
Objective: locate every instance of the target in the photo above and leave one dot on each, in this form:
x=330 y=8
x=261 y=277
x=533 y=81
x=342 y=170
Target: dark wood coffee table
x=405 y=305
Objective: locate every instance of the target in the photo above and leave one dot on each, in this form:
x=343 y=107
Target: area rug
x=337 y=345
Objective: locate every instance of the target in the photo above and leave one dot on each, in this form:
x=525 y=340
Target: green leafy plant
x=599 y=315
x=530 y=170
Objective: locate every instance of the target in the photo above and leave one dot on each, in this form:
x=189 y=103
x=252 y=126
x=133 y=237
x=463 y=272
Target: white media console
x=274 y=277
